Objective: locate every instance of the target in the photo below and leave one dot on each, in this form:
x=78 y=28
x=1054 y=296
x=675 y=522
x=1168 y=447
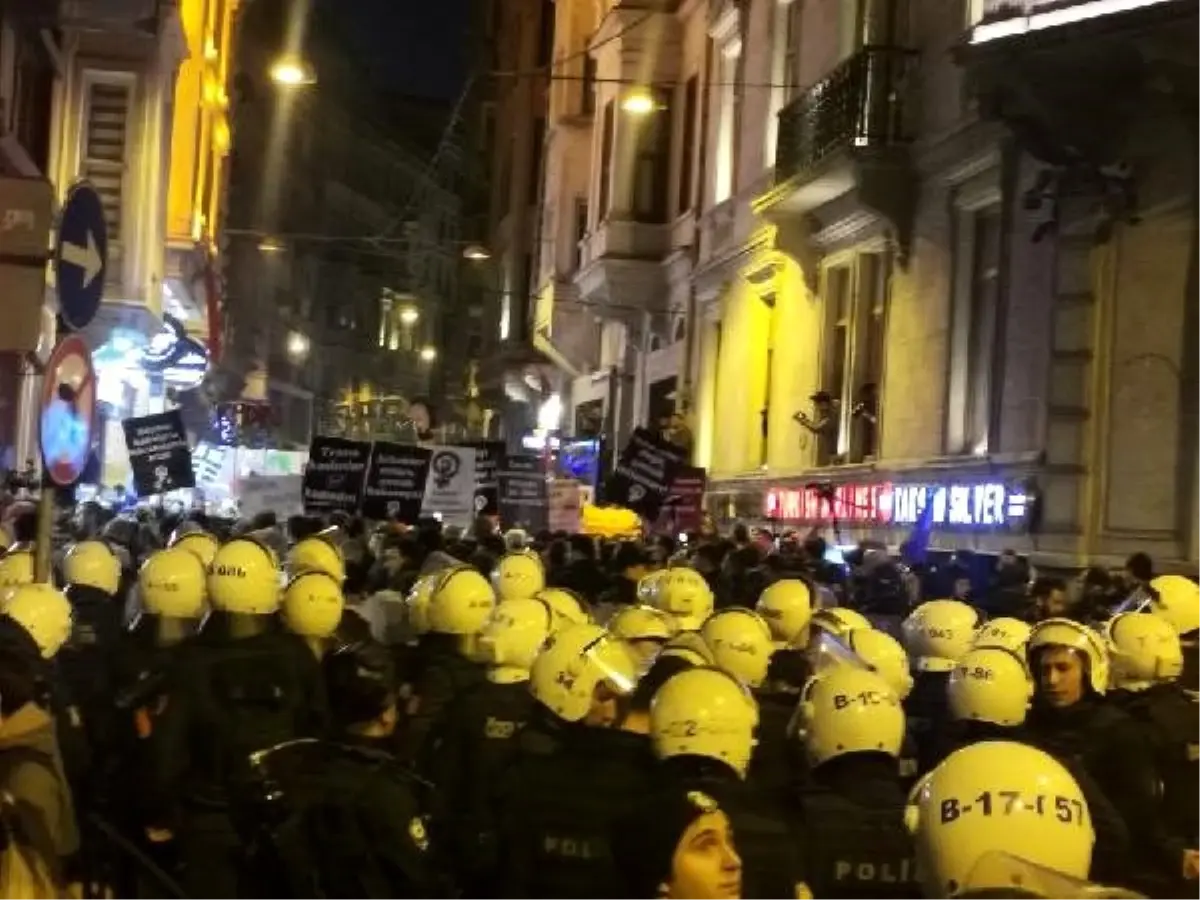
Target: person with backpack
x=342 y=816
x=242 y=685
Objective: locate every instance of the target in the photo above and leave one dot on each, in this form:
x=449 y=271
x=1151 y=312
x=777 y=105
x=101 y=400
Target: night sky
x=410 y=46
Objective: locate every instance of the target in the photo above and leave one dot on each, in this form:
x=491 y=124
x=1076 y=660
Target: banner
x=334 y=475
x=158 y=453
x=683 y=509
x=395 y=483
x=280 y=494
x=487 y=461
x=565 y=502
x=450 y=486
x=644 y=473
x=523 y=491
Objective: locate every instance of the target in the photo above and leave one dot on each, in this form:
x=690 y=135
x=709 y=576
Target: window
x=606 y=153
x=545 y=33
x=651 y=164
x=851 y=20
x=976 y=302
x=791 y=60
x=780 y=35
x=687 y=145
x=488 y=130
x=839 y=315
x=106 y=138
x=587 y=99
x=580 y=232
x=870 y=317
x=504 y=176
x=535 y=160
x=727 y=116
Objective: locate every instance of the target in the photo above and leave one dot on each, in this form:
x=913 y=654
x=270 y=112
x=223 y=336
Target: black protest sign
x=644 y=474
x=487 y=488
x=395 y=482
x=333 y=477
x=523 y=500
x=158 y=453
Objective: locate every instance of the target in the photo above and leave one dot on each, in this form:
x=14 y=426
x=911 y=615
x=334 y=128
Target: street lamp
x=639 y=102
x=270 y=245
x=292 y=72
x=476 y=253
x=428 y=354
x=409 y=316
x=297 y=346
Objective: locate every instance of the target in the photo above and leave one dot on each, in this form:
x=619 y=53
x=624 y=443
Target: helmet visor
x=997 y=869
x=616 y=663
x=827 y=652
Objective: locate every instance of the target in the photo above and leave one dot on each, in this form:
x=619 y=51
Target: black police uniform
x=560 y=803
x=473 y=750
x=226 y=697
x=855 y=843
x=927 y=713
x=443 y=674
x=764 y=828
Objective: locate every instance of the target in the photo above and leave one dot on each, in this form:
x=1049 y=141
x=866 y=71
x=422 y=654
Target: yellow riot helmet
x=685 y=596
x=317 y=553
x=92 y=564
x=990 y=684
x=313 y=604
x=741 y=644
x=847 y=709
x=1071 y=634
x=997 y=796
x=171 y=584
x=938 y=633
x=1144 y=651
x=44 y=613
x=787 y=608
x=884 y=656
x=16 y=569
x=461 y=602
x=199 y=543
x=690 y=646
x=416 y=603
x=647 y=587
x=513 y=637
x=518 y=574
x=1177 y=602
x=704 y=711
x=579 y=666
x=244 y=578
x=839 y=621
x=1011 y=634
x=568 y=609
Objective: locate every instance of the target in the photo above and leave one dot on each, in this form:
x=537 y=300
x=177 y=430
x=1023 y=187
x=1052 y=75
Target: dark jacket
x=442 y=674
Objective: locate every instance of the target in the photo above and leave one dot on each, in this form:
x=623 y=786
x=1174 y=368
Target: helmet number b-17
x=1007 y=803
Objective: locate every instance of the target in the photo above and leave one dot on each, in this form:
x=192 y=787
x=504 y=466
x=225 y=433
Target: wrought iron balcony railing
x=860 y=104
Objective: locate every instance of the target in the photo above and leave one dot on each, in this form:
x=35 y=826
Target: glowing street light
x=292 y=72
x=639 y=102
x=270 y=245
x=409 y=316
x=476 y=253
x=428 y=354
x=298 y=346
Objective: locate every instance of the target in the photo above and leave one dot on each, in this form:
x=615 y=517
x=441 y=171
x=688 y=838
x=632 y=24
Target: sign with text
x=158 y=453
x=683 y=509
x=523 y=491
x=334 y=475
x=395 y=483
x=487 y=462
x=279 y=494
x=963 y=506
x=450 y=485
x=564 y=506
x=644 y=474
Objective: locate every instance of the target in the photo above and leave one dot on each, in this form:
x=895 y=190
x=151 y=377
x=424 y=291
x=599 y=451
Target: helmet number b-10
x=865 y=698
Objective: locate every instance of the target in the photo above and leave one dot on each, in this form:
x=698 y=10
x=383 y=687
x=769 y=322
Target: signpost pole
x=42 y=549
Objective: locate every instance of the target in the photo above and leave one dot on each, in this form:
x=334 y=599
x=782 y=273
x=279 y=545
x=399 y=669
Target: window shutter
x=105 y=145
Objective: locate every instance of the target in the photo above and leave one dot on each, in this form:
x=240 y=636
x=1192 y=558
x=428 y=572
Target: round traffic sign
x=81 y=256
x=67 y=422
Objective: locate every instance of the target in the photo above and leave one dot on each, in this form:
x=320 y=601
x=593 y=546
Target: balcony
x=1004 y=19
x=848 y=136
x=622 y=261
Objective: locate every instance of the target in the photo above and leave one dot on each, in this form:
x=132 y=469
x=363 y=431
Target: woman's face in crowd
x=706 y=863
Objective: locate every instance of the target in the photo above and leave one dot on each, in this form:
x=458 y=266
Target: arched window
x=680 y=330
x=655 y=343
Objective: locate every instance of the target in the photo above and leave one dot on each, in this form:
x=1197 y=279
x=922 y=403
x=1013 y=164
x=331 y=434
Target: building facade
x=130 y=96
x=341 y=256
x=903 y=255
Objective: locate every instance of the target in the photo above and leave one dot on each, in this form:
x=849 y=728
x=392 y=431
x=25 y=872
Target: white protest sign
x=450 y=485
x=280 y=494
x=565 y=503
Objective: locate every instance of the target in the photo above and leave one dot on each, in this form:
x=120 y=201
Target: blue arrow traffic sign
x=81 y=255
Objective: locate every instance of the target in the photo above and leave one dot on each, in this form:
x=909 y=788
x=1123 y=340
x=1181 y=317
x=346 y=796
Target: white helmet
x=1145 y=650
x=706 y=712
x=990 y=684
x=741 y=644
x=1004 y=631
x=44 y=613
x=513 y=637
x=461 y=601
x=787 y=608
x=993 y=797
x=684 y=595
x=938 y=633
x=576 y=662
x=1071 y=634
x=847 y=709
